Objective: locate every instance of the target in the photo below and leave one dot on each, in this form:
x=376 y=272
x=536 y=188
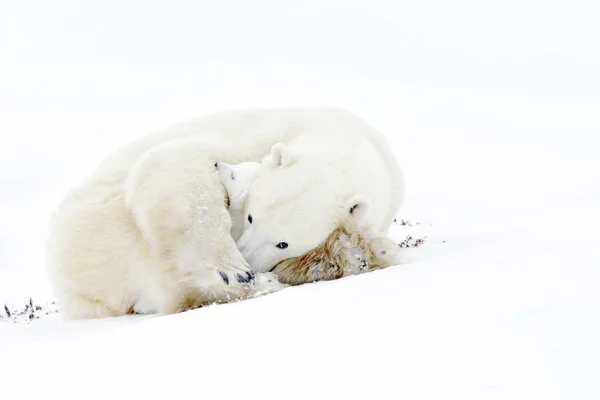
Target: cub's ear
x=282 y=156
x=358 y=206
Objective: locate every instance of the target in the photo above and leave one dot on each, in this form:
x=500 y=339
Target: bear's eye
x=233 y=176
x=250 y=218
x=282 y=245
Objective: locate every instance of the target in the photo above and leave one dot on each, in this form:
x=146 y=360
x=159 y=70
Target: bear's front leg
x=178 y=204
x=214 y=265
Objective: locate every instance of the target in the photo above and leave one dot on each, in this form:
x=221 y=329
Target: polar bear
x=349 y=250
x=153 y=206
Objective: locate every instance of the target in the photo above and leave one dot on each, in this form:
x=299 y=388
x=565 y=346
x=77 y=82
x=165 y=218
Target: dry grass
x=27 y=313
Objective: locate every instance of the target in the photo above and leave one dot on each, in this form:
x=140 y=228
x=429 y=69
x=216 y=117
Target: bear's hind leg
x=77 y=306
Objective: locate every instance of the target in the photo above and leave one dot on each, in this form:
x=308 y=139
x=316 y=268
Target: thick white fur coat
x=150 y=224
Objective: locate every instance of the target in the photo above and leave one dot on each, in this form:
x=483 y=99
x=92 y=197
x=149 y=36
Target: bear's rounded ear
x=358 y=206
x=281 y=155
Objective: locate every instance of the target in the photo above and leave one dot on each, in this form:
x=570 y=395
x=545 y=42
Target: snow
x=493 y=113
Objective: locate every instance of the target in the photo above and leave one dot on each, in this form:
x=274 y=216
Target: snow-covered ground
x=497 y=130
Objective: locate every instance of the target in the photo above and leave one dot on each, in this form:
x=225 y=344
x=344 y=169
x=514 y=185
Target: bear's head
x=299 y=221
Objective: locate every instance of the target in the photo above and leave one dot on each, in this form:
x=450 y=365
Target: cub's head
x=293 y=207
x=237 y=179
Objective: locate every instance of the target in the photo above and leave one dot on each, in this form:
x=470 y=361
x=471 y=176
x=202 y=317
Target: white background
x=492 y=108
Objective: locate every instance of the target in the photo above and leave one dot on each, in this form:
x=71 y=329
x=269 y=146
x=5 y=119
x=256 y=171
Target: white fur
x=149 y=225
x=307 y=186
x=237 y=180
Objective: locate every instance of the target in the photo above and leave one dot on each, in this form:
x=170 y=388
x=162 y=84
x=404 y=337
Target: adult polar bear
x=320 y=167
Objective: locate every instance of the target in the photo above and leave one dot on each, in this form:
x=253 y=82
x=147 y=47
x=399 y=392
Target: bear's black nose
x=216 y=165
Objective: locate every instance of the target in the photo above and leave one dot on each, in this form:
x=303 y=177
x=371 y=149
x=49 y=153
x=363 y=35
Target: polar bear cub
x=237 y=179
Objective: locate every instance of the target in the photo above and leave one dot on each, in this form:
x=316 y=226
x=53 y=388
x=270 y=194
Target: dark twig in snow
x=411 y=242
x=28 y=313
